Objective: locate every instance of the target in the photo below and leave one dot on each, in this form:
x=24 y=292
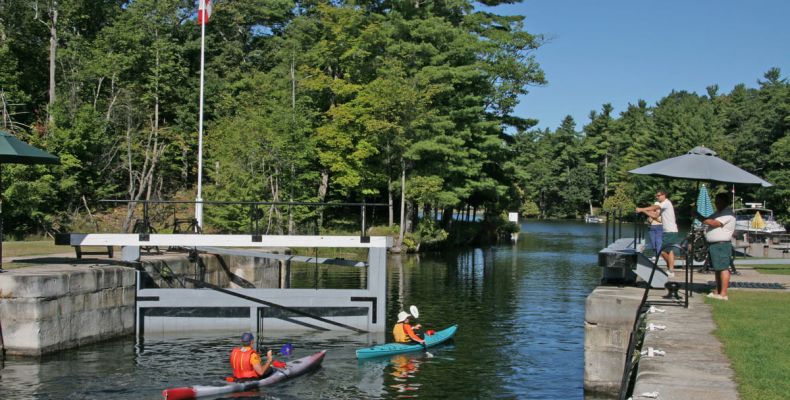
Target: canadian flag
x=204 y=11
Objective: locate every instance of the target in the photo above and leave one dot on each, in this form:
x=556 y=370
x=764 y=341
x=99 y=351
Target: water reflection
x=404 y=371
x=520 y=311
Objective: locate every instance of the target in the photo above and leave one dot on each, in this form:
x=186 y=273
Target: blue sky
x=620 y=51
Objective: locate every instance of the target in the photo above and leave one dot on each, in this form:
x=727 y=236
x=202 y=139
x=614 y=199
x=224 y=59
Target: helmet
x=247 y=338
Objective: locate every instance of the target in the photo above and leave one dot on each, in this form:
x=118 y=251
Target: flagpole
x=199 y=198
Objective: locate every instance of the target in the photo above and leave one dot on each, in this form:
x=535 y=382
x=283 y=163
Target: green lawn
x=754 y=328
x=15 y=265
x=778 y=269
x=32 y=248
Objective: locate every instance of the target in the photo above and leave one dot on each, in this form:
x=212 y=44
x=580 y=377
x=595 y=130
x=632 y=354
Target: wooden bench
x=78 y=250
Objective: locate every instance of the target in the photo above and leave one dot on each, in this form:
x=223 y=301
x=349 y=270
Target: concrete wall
x=262 y=273
x=50 y=308
x=608 y=320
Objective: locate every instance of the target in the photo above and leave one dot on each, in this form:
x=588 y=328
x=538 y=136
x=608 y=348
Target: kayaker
x=404 y=331
x=246 y=362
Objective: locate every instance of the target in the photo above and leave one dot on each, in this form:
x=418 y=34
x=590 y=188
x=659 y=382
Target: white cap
x=402 y=316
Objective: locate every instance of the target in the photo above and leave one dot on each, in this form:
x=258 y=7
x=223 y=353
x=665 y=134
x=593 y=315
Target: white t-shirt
x=725 y=231
x=668 y=216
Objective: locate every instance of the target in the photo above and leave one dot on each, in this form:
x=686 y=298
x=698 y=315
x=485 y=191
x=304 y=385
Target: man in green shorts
x=721 y=226
x=670 y=236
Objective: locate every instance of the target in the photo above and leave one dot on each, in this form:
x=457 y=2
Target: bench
x=78 y=250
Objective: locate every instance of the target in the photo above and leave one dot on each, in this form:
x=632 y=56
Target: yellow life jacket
x=399 y=333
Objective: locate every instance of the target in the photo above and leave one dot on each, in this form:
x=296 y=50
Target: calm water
x=520 y=310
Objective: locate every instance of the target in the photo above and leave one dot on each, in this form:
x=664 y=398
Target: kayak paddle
x=416 y=314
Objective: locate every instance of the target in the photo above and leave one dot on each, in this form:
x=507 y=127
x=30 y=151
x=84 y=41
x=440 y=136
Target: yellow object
x=399 y=334
x=757 y=221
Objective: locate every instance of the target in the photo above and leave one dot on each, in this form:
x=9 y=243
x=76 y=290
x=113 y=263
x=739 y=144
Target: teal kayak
x=398 y=348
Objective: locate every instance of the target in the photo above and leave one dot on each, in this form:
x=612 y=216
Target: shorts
x=670 y=238
x=720 y=255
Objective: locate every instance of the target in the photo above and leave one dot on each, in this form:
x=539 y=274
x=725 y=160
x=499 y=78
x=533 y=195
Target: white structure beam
x=194 y=240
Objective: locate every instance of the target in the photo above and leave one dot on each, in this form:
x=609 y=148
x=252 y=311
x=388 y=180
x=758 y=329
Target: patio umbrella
x=700 y=164
x=757 y=221
x=704 y=206
x=15 y=151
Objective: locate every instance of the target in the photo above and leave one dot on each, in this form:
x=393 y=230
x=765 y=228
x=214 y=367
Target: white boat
x=756 y=219
x=592 y=219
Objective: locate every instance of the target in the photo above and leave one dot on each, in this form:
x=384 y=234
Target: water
x=520 y=311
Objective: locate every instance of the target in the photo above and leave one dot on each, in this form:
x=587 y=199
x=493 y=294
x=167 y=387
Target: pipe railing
x=631 y=359
x=617 y=217
x=255 y=213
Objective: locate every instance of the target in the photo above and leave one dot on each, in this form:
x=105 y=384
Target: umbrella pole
x=2 y=344
x=1 y=220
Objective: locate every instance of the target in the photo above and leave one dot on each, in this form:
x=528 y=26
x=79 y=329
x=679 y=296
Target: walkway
x=694 y=365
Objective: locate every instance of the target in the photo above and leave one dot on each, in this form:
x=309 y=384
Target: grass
x=15 y=265
x=754 y=328
x=358 y=254
x=776 y=269
x=32 y=248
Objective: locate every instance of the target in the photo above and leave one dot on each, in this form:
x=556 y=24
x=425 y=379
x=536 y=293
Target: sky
x=621 y=51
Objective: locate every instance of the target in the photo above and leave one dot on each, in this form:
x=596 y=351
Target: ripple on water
x=520 y=310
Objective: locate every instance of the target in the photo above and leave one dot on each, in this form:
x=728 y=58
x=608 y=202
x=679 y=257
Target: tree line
x=408 y=103
x=565 y=171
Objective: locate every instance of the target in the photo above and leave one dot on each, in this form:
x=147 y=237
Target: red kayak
x=292 y=369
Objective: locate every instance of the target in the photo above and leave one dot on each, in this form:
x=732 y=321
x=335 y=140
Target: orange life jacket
x=403 y=333
x=240 y=362
x=399 y=334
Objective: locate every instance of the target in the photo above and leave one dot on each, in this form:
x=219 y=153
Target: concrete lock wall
x=608 y=321
x=263 y=273
x=55 y=307
x=51 y=308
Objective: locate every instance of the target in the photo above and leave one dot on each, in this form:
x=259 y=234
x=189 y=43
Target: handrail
x=266 y=203
x=641 y=312
x=254 y=219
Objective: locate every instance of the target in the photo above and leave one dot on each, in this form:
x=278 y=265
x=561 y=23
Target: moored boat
x=292 y=369
x=592 y=219
x=756 y=219
x=389 y=349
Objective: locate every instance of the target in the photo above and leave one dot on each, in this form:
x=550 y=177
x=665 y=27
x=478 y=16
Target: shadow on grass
x=34 y=262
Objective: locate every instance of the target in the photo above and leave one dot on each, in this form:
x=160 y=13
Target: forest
x=404 y=103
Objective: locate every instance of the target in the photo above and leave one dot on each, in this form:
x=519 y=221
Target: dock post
x=377 y=286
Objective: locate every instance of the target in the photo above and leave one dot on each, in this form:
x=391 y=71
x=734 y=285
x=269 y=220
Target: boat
x=592 y=219
x=389 y=349
x=291 y=369
x=756 y=219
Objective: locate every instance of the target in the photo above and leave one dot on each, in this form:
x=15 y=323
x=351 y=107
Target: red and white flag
x=204 y=11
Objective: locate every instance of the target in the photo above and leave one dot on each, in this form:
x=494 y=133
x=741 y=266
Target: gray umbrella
x=700 y=164
x=15 y=151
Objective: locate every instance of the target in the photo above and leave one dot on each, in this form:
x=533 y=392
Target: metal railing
x=632 y=355
x=255 y=214
x=617 y=217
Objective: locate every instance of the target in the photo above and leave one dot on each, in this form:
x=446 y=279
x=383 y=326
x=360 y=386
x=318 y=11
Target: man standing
x=721 y=227
x=670 y=227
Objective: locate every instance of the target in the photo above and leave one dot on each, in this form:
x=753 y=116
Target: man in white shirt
x=721 y=227
x=670 y=235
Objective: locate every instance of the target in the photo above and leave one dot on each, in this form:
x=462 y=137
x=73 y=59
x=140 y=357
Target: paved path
x=694 y=366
